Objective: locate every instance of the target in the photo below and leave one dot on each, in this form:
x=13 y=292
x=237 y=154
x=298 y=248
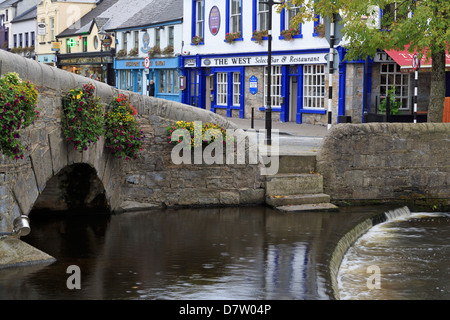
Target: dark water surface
x=226 y=253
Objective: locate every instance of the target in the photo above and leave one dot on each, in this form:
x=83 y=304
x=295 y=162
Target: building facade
x=225 y=61
x=86 y=48
x=53 y=17
x=148 y=48
x=24 y=34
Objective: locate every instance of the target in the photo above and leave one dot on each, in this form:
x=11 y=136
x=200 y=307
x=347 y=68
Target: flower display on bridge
x=123 y=136
x=196 y=139
x=82 y=119
x=18 y=101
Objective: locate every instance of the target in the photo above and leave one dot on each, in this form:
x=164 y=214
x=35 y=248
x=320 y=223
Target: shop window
x=168 y=82
x=275 y=88
x=314 y=86
x=222 y=86
x=236 y=89
x=392 y=77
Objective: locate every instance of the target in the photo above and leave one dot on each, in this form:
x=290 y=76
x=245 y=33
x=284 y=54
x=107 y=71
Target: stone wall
x=152 y=181
x=380 y=161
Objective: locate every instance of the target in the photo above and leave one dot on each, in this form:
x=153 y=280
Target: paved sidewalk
x=292 y=128
x=294 y=139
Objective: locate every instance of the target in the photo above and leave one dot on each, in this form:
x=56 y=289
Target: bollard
x=252 y=122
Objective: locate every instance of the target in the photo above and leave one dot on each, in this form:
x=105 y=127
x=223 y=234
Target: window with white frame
x=236 y=88
x=170 y=39
x=263 y=16
x=314 y=86
x=222 y=86
x=291 y=13
x=275 y=86
x=136 y=39
x=392 y=77
x=235 y=16
x=52 y=29
x=199 y=18
x=124 y=40
x=157 y=36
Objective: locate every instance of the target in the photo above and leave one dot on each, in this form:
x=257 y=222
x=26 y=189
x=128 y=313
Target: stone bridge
x=152 y=181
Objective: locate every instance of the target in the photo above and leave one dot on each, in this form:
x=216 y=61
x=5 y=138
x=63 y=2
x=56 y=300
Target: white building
x=155 y=33
x=229 y=77
x=24 y=33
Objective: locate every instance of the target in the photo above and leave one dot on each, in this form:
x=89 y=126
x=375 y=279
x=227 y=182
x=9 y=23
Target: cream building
x=53 y=17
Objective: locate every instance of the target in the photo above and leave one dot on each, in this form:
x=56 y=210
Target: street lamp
x=268 y=140
x=102 y=34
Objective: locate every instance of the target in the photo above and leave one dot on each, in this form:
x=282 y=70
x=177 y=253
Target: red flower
x=118 y=99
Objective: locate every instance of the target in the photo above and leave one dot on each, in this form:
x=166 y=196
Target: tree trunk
x=437 y=93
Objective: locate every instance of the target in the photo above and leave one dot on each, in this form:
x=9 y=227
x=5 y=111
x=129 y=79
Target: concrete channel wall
x=387 y=161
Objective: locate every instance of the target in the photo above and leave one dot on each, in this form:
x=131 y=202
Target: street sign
x=253 y=85
x=416 y=62
x=107 y=41
x=147 y=62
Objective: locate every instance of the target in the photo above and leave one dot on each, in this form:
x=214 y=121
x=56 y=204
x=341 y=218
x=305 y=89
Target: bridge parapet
x=149 y=182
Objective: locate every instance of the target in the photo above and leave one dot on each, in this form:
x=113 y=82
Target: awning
x=404 y=58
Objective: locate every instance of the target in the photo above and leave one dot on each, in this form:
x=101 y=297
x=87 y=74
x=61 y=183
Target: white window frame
x=263 y=13
x=236 y=88
x=235 y=16
x=291 y=13
x=314 y=87
x=275 y=86
x=392 y=76
x=199 y=18
x=222 y=88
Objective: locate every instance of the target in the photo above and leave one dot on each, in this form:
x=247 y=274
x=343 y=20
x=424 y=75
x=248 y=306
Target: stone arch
x=47 y=161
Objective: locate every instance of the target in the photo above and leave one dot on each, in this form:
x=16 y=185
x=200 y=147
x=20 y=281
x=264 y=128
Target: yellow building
x=86 y=49
x=53 y=17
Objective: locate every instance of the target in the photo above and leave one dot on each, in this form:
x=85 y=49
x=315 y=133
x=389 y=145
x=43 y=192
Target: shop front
x=94 y=66
x=135 y=75
x=234 y=84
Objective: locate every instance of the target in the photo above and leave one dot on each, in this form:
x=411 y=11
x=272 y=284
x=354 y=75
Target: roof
x=8 y=3
x=27 y=15
x=84 y=25
x=155 y=12
x=106 y=13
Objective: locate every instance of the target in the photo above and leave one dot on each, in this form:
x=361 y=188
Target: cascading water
x=404 y=255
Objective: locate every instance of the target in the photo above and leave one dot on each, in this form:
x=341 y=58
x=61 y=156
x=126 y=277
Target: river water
x=404 y=258
x=252 y=253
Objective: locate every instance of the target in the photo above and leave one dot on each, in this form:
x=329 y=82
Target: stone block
x=288 y=184
x=229 y=198
x=25 y=189
x=41 y=159
x=58 y=149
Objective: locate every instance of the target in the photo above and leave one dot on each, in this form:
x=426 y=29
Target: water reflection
x=227 y=253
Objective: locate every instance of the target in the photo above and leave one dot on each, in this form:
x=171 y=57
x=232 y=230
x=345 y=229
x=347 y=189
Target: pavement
x=293 y=138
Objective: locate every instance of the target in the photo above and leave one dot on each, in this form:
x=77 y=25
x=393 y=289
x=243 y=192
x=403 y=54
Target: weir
x=350 y=238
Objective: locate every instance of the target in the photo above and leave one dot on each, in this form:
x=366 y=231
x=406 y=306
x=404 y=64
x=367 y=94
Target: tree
x=424 y=25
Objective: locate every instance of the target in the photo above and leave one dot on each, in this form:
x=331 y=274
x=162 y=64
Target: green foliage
x=82 y=120
x=17 y=110
x=420 y=24
x=196 y=140
x=123 y=136
x=394 y=104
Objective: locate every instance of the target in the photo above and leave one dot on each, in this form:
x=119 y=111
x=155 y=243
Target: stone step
x=291 y=184
x=296 y=163
x=309 y=207
x=297 y=199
